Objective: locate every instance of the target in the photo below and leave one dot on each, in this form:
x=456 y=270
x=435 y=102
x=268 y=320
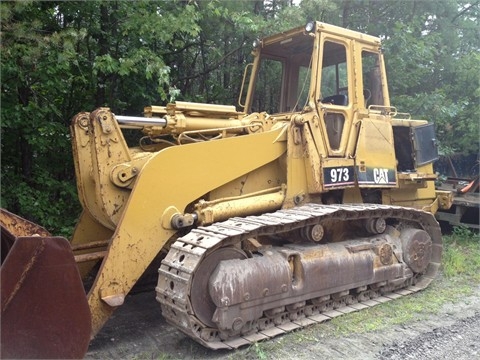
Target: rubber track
x=185 y=255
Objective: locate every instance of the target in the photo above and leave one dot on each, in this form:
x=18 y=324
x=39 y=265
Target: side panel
x=375 y=162
x=425 y=144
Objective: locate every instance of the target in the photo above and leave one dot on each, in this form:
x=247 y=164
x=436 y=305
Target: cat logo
x=380 y=176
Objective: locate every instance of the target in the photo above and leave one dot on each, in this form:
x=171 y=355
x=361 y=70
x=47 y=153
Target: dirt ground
x=138 y=331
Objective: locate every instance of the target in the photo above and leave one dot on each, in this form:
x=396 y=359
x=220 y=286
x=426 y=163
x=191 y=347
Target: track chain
x=185 y=255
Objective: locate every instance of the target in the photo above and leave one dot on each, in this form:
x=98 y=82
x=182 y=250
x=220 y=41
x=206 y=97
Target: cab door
x=336 y=92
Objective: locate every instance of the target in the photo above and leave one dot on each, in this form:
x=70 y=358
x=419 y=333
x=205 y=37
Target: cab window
x=334 y=83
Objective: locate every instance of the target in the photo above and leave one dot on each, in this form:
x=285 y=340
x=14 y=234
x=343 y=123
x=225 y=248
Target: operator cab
x=318 y=67
x=281 y=80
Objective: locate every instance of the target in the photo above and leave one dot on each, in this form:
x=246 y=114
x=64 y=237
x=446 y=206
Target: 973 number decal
x=338 y=176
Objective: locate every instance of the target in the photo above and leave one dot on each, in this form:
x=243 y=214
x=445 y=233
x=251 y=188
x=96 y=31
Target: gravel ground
x=460 y=341
x=138 y=331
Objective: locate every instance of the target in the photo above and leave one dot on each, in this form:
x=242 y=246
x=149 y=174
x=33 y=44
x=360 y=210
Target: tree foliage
x=62 y=57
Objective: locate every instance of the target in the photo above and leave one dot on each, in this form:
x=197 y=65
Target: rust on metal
x=13 y=226
x=18 y=226
x=201 y=301
x=90 y=245
x=90 y=256
x=26 y=268
x=44 y=309
x=276 y=289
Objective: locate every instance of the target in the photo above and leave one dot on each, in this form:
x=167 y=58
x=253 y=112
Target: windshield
x=283 y=79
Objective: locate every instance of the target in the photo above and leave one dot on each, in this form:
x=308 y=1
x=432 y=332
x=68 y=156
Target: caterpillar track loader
x=317 y=198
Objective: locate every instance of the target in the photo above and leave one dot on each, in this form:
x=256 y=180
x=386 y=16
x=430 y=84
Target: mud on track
x=138 y=331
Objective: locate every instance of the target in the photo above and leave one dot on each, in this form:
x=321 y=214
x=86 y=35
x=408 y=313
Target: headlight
x=310 y=26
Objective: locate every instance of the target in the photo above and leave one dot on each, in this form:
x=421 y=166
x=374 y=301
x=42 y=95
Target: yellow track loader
x=318 y=196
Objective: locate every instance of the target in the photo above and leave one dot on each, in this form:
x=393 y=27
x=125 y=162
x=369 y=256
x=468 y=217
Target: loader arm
x=144 y=228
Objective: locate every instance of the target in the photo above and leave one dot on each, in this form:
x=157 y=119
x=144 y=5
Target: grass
x=259 y=351
x=146 y=356
x=462 y=254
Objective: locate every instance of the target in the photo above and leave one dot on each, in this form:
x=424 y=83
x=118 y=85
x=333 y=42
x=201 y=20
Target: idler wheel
x=417 y=249
x=202 y=304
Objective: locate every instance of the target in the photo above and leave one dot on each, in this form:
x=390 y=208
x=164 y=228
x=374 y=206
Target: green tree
x=38 y=70
x=59 y=58
x=434 y=73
